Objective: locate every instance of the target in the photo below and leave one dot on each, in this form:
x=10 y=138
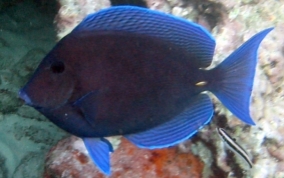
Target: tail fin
x=235 y=78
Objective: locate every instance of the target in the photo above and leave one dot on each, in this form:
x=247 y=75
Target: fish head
x=52 y=83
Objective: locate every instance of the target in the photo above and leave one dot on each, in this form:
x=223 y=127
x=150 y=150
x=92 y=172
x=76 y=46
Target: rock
x=72 y=12
x=69 y=158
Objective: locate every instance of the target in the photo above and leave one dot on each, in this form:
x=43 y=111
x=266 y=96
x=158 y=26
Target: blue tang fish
x=138 y=73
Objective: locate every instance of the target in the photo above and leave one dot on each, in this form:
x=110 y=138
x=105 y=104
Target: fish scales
x=140 y=81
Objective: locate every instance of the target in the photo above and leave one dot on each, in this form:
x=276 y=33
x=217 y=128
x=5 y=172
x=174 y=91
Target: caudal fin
x=235 y=76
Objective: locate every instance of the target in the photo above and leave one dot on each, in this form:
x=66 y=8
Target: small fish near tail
x=234 y=146
x=233 y=78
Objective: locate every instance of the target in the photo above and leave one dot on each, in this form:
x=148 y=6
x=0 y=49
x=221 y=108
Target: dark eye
x=57 y=67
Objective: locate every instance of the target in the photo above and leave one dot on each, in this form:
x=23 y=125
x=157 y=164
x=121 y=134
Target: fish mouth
x=24 y=96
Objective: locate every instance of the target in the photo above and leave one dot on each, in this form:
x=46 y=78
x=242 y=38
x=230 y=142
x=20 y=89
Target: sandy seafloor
x=27 y=33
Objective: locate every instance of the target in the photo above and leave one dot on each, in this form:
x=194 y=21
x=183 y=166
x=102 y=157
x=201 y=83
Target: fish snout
x=23 y=95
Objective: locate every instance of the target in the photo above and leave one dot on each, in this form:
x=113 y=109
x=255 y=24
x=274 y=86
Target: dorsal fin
x=188 y=35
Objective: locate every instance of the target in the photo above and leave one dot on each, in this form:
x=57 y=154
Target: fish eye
x=57 y=67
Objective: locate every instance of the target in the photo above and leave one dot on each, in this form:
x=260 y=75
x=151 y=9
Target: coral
x=205 y=12
x=69 y=158
x=160 y=5
x=72 y=12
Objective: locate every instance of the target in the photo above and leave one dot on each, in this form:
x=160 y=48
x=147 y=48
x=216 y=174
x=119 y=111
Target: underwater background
x=29 y=145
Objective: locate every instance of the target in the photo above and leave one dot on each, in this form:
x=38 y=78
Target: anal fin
x=178 y=129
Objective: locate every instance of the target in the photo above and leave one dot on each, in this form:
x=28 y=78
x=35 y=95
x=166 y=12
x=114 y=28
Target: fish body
x=234 y=146
x=138 y=73
x=147 y=84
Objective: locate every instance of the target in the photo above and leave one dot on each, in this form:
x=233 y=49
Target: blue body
x=138 y=73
